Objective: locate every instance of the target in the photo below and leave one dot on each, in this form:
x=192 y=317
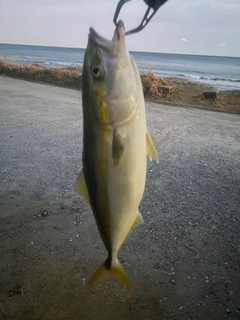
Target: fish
x=115 y=145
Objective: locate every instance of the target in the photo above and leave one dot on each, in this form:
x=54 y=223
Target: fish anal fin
x=139 y=219
x=118 y=148
x=151 y=151
x=117 y=271
x=81 y=187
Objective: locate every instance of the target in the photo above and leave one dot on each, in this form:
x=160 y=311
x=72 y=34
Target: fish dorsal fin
x=151 y=151
x=81 y=188
x=118 y=148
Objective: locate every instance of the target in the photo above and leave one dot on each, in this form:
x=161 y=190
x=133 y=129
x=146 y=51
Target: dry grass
x=72 y=77
x=66 y=77
x=183 y=91
x=191 y=93
x=152 y=85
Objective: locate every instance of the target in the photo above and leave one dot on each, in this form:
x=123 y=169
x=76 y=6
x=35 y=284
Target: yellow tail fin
x=117 y=271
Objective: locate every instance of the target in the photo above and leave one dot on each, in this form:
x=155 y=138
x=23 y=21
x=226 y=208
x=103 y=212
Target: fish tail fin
x=122 y=277
x=117 y=271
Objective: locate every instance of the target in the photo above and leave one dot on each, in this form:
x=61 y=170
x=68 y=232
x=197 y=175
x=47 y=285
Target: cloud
x=223 y=44
x=204 y=24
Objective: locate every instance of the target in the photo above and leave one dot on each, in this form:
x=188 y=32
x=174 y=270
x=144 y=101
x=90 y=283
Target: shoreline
x=174 y=91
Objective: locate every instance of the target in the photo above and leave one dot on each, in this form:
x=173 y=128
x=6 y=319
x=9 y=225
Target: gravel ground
x=184 y=261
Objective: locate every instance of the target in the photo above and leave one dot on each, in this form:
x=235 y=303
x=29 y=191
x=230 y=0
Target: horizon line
x=177 y=53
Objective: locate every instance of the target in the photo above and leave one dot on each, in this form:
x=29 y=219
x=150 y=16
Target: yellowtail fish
x=115 y=145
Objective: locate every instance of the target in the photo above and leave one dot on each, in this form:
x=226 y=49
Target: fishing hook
x=152 y=4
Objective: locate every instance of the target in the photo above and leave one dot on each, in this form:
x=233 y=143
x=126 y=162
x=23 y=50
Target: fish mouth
x=119 y=32
x=105 y=44
x=93 y=35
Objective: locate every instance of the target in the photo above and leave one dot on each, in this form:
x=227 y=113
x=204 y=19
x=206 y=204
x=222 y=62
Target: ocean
x=223 y=72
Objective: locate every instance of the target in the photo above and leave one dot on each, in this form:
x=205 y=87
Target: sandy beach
x=184 y=261
x=182 y=92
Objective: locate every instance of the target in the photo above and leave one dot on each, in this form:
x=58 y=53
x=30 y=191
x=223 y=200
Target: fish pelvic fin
x=117 y=271
x=81 y=187
x=151 y=151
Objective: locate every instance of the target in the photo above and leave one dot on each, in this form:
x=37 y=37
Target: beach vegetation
x=183 y=92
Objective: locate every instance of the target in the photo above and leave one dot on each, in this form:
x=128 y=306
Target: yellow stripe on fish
x=103 y=110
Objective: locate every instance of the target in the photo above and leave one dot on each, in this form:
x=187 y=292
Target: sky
x=209 y=27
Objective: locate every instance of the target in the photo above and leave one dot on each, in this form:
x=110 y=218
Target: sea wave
x=207 y=78
x=223 y=79
x=62 y=64
x=218 y=71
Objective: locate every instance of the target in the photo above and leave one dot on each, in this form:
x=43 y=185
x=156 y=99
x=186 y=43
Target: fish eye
x=97 y=72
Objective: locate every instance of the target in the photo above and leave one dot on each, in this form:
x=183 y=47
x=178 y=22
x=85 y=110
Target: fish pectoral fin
x=118 y=148
x=81 y=188
x=151 y=151
x=117 y=271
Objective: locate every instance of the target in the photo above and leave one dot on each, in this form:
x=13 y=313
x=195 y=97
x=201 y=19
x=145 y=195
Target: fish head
x=111 y=82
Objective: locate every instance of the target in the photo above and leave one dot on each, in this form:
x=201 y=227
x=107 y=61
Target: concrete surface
x=184 y=261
